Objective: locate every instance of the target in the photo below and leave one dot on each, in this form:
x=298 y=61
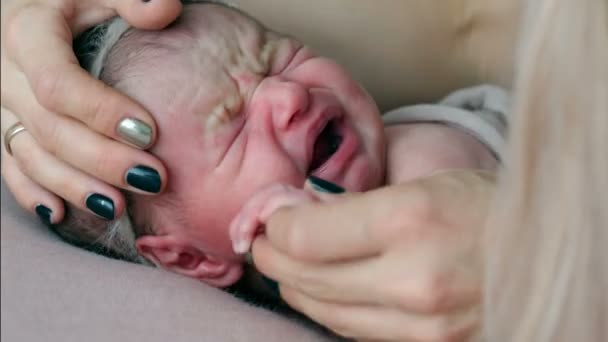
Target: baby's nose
x=290 y=102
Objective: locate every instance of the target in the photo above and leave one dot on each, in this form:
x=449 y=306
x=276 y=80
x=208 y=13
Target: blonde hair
x=546 y=272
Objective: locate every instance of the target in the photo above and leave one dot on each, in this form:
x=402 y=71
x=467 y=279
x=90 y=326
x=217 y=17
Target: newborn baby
x=241 y=108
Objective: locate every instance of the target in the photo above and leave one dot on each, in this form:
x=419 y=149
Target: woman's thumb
x=148 y=14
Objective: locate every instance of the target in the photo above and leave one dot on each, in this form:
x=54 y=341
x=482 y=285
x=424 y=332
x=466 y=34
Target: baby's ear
x=178 y=256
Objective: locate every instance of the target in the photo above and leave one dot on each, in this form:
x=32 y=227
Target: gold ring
x=15 y=129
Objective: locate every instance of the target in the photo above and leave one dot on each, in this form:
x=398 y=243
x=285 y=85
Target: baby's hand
x=253 y=215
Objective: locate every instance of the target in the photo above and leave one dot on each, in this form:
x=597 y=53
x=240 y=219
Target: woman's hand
x=75 y=126
x=398 y=263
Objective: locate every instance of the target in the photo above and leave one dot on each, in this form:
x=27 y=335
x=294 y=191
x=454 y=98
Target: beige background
x=404 y=51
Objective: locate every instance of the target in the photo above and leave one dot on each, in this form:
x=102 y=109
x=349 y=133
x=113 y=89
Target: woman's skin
x=393 y=249
x=71 y=148
x=399 y=263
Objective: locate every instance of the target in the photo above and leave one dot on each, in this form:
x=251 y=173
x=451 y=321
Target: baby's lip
x=325 y=116
x=335 y=166
x=298 y=140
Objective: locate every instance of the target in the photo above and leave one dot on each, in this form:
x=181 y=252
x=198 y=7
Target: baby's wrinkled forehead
x=197 y=62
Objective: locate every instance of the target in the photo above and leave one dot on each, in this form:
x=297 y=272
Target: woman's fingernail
x=273 y=286
x=135 y=132
x=324 y=186
x=144 y=178
x=44 y=213
x=101 y=205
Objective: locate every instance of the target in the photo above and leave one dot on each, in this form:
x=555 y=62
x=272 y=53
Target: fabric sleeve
x=481 y=111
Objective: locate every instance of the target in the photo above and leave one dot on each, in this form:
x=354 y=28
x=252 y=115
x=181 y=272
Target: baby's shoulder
x=481 y=111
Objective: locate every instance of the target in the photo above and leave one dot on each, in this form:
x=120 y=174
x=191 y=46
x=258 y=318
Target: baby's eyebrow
x=224 y=112
x=243 y=73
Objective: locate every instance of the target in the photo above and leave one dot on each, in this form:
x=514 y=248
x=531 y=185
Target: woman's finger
x=352 y=225
x=384 y=323
x=88 y=151
x=76 y=187
x=75 y=144
x=28 y=193
x=364 y=224
x=420 y=282
x=147 y=15
x=62 y=86
x=322 y=281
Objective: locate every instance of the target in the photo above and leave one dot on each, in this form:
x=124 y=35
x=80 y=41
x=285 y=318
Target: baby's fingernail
x=324 y=186
x=240 y=247
x=135 y=132
x=44 y=213
x=144 y=178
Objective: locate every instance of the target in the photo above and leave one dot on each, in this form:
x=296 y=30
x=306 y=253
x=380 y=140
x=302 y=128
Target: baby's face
x=240 y=108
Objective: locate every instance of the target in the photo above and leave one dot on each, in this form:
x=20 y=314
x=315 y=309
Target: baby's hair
x=115 y=238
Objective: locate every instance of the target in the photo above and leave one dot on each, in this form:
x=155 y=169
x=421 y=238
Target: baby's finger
x=246 y=221
x=256 y=211
x=289 y=198
x=62 y=86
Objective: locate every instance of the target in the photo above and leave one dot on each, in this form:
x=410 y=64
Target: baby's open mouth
x=326 y=145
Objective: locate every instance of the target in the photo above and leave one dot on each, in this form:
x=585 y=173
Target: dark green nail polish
x=101 y=205
x=324 y=186
x=144 y=178
x=273 y=286
x=44 y=213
